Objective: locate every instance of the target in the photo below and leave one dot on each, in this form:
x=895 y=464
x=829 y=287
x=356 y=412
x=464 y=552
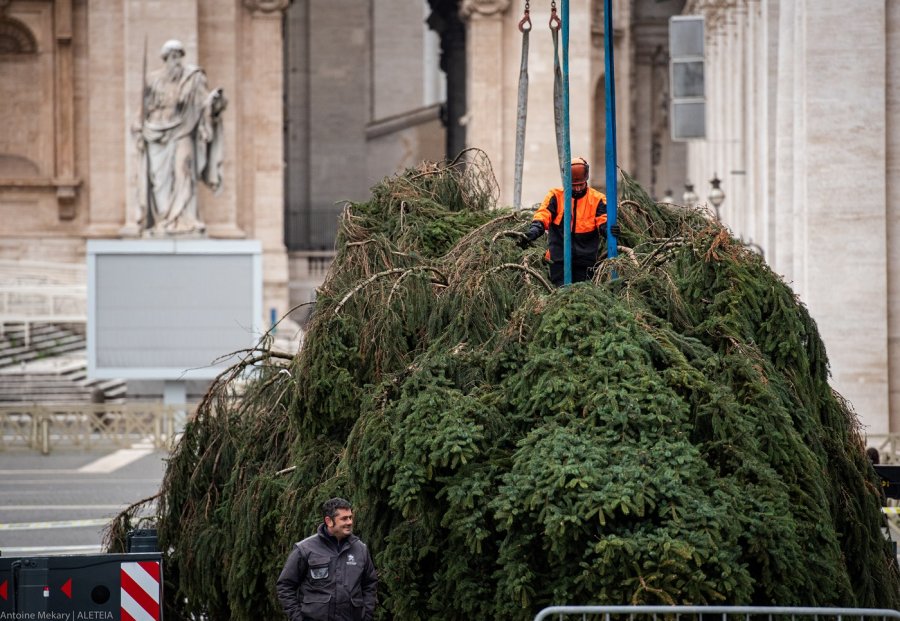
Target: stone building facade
x=493 y=52
x=71 y=76
x=373 y=87
x=803 y=128
x=364 y=95
x=326 y=97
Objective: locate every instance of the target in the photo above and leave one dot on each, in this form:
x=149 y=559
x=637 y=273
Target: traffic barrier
x=44 y=427
x=91 y=586
x=707 y=613
x=140 y=590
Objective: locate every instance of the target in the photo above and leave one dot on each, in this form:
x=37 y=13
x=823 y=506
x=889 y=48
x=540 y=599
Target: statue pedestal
x=171 y=309
x=225 y=231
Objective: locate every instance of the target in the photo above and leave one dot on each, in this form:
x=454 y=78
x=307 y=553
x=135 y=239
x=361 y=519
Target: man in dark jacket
x=329 y=576
x=588 y=225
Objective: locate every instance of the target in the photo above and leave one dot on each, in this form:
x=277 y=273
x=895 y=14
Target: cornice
x=265 y=6
x=485 y=8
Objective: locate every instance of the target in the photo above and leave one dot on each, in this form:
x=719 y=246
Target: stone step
x=51 y=369
x=18 y=349
x=12 y=382
x=8 y=359
x=36 y=333
x=54 y=392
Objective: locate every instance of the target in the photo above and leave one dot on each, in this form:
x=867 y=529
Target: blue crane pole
x=567 y=151
x=612 y=173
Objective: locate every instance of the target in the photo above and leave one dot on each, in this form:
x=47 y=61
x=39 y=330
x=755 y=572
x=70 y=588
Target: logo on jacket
x=351 y=560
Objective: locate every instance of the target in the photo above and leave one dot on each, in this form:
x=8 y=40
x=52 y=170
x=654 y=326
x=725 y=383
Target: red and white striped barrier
x=140 y=591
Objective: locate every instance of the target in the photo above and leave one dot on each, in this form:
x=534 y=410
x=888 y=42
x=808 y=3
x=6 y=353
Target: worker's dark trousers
x=579 y=273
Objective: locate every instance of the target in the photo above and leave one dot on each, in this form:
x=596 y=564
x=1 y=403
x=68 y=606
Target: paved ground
x=60 y=503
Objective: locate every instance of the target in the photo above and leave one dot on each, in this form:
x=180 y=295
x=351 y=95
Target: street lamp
x=754 y=247
x=689 y=197
x=716 y=195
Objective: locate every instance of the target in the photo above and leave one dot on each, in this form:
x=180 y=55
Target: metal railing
x=888 y=445
x=47 y=426
x=708 y=613
x=311 y=228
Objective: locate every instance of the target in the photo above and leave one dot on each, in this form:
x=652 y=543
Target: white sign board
x=168 y=309
x=686 y=75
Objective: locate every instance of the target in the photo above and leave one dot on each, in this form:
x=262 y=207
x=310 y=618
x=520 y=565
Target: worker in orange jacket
x=588 y=225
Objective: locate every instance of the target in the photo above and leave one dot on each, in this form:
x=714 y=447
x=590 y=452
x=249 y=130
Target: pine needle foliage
x=667 y=437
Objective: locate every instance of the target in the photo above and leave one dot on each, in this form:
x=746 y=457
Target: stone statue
x=179 y=139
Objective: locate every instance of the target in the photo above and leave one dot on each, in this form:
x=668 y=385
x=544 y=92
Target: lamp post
x=689 y=197
x=754 y=247
x=716 y=195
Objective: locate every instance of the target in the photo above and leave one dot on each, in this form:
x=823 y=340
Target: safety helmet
x=581 y=170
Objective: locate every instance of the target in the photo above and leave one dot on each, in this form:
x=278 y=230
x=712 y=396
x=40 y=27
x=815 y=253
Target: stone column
x=484 y=88
x=892 y=169
x=782 y=260
x=844 y=152
x=752 y=129
x=445 y=20
x=263 y=144
x=66 y=183
x=644 y=134
x=768 y=101
x=220 y=54
x=799 y=110
x=738 y=151
x=107 y=182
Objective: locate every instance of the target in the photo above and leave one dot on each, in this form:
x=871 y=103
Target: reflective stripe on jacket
x=588 y=213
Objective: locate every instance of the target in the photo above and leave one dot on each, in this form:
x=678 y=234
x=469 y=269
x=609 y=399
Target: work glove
x=616 y=230
x=534 y=231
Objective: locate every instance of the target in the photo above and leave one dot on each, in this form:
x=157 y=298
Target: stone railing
x=81 y=426
x=59 y=303
x=13 y=272
x=36 y=292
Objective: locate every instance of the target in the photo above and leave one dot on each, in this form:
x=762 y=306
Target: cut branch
x=374 y=277
x=524 y=268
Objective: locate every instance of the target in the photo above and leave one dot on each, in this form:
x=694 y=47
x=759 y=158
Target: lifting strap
x=557 y=88
x=522 y=107
x=561 y=117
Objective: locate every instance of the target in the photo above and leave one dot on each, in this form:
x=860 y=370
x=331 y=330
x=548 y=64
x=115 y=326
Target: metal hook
x=525 y=22
x=555 y=23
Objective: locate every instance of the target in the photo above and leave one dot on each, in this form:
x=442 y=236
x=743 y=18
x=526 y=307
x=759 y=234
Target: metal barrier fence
x=47 y=426
x=888 y=445
x=712 y=613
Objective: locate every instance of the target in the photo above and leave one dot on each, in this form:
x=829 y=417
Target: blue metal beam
x=567 y=151
x=612 y=172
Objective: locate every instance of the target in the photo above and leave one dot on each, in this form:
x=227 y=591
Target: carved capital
x=482 y=7
x=265 y=6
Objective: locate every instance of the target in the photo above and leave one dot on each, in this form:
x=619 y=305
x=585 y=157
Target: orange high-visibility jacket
x=588 y=213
